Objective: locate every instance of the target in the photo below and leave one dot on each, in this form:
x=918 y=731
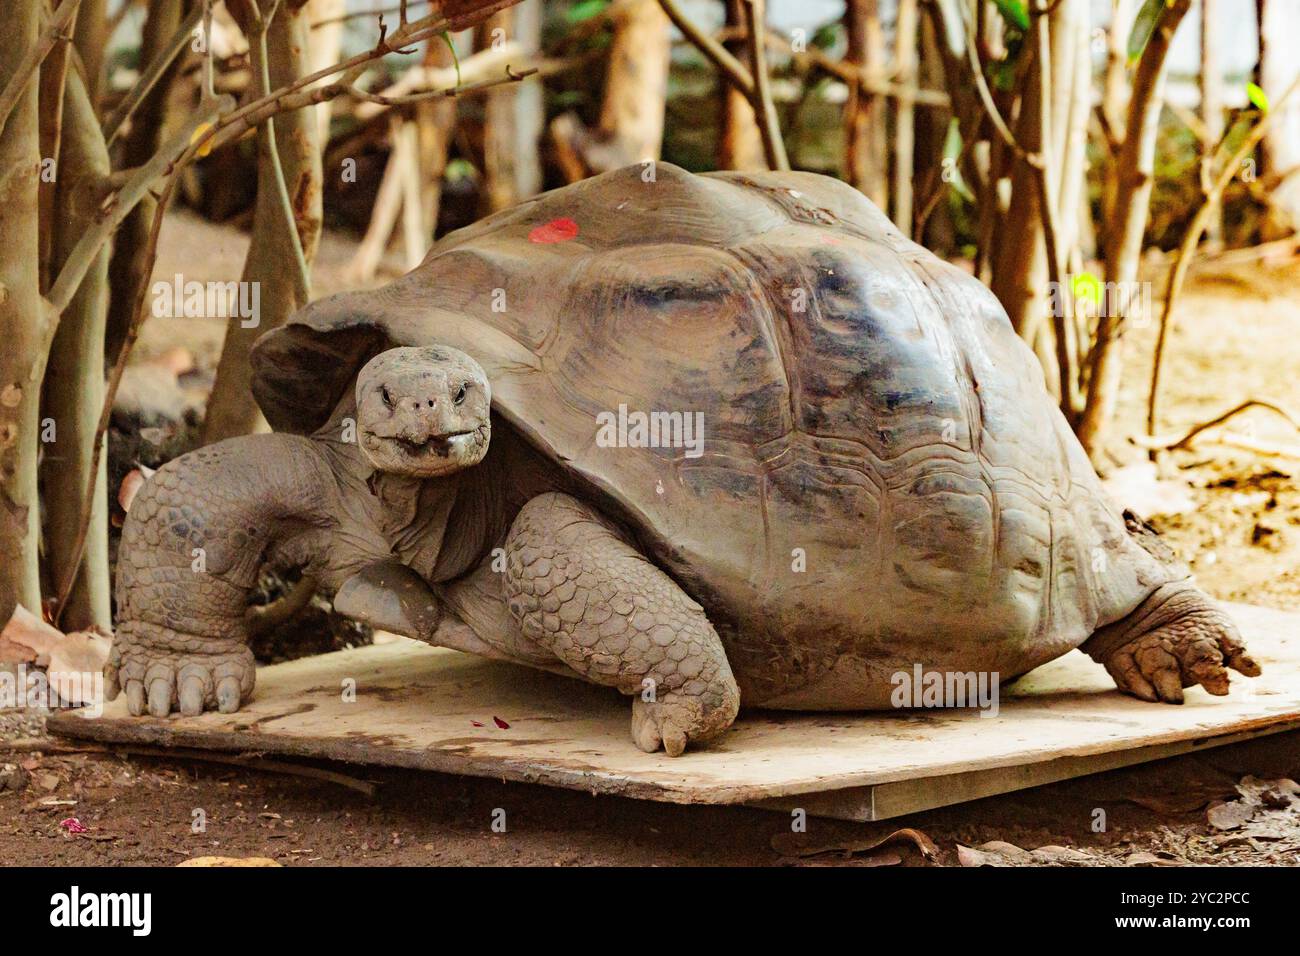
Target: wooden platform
x=435 y=709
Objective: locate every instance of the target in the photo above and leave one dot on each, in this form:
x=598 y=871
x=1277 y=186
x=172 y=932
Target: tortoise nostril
x=431 y=403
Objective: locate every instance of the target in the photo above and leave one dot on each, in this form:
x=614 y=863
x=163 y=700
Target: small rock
x=12 y=778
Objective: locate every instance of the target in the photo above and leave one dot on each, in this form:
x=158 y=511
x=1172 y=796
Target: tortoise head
x=423 y=412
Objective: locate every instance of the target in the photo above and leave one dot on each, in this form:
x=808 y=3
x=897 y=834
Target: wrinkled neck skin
x=377 y=514
x=441 y=528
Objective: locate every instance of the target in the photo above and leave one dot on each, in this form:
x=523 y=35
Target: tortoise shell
x=883 y=476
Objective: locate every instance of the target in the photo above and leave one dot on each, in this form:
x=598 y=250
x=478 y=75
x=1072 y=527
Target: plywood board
x=436 y=709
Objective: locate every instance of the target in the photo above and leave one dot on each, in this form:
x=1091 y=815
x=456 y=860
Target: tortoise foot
x=678 y=719
x=1176 y=640
x=160 y=675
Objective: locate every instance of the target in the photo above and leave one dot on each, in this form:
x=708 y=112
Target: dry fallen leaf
x=79 y=655
x=1230 y=815
x=796 y=844
x=131 y=485
x=1001 y=853
x=1184 y=799
x=1143 y=858
x=26 y=629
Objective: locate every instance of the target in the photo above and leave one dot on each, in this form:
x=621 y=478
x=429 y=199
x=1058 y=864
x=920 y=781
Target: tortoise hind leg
x=582 y=592
x=1176 y=638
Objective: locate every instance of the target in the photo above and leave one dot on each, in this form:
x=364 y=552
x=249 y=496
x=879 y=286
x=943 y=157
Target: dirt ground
x=1238 y=337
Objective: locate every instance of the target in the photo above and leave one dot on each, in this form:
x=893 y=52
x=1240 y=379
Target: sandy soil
x=1238 y=337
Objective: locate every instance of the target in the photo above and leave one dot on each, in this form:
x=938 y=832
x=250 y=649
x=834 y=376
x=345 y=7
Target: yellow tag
x=198 y=133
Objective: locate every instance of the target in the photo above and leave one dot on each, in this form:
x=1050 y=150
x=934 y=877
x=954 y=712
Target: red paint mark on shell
x=500 y=723
x=476 y=723
x=557 y=230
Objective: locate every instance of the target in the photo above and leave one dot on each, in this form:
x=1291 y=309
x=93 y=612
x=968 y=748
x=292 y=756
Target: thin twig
x=376 y=12
x=1170 y=442
x=986 y=95
x=114 y=124
x=262 y=71
x=27 y=70
x=764 y=107
x=1192 y=237
x=865 y=80
x=197 y=121
x=728 y=65
x=209 y=83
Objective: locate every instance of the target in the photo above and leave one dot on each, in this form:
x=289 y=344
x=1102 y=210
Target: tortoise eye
x=383 y=393
x=460 y=393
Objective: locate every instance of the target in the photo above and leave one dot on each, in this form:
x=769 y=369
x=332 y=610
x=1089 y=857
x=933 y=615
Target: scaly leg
x=580 y=590
x=195 y=537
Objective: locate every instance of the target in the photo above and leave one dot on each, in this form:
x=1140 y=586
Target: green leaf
x=1144 y=25
x=446 y=38
x=1085 y=285
x=585 y=10
x=951 y=170
x=1003 y=74
x=1257 y=97
x=826 y=36
x=458 y=169
x=1014 y=12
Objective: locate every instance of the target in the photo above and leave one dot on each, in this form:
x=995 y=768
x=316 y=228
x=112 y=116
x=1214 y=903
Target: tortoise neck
x=406 y=513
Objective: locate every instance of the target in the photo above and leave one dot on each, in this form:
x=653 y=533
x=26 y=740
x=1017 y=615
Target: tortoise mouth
x=436 y=454
x=441 y=445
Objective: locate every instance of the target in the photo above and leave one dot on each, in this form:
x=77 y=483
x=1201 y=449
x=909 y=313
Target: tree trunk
x=323 y=46
x=74 y=380
x=1114 y=100
x=905 y=115
x=1135 y=172
x=1019 y=260
x=1211 y=98
x=931 y=136
x=22 y=363
x=513 y=115
x=631 y=127
x=740 y=145
x=1279 y=30
x=636 y=85
x=271 y=262
x=1020 y=267
x=864 y=120
x=435 y=123
x=91 y=40
x=148 y=130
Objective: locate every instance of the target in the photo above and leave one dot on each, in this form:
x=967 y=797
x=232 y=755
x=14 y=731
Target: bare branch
x=731 y=68
x=113 y=125
x=1171 y=442
x=764 y=108
x=139 y=184
x=30 y=65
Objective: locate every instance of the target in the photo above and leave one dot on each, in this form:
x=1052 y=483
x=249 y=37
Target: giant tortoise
x=708 y=439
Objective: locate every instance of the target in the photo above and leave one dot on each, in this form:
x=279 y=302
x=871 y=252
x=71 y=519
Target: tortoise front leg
x=1174 y=639
x=581 y=591
x=193 y=543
